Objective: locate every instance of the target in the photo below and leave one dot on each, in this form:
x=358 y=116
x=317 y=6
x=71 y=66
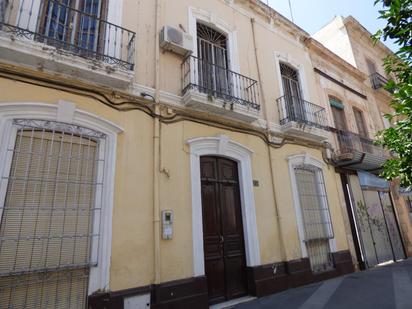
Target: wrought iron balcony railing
x=378 y=81
x=298 y=110
x=349 y=142
x=219 y=82
x=83 y=32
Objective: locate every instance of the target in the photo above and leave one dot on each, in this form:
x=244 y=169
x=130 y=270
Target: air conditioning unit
x=175 y=40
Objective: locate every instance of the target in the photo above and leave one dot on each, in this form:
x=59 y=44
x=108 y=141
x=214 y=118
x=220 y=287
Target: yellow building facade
x=165 y=154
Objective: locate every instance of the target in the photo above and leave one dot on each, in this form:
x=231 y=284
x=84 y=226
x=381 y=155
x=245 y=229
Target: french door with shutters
x=50 y=210
x=362 y=130
x=213 y=62
x=74 y=24
x=225 y=260
x=292 y=92
x=339 y=118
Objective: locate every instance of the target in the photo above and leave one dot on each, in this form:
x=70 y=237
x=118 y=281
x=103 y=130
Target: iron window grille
x=79 y=27
x=292 y=106
x=209 y=72
x=318 y=229
x=51 y=196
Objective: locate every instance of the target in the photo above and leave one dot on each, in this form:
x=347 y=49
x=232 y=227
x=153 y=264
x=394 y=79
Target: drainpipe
x=266 y=115
x=156 y=152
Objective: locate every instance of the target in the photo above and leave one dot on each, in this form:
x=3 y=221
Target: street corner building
x=179 y=154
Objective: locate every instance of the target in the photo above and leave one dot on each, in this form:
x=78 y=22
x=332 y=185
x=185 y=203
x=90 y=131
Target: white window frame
x=298 y=160
x=196 y=15
x=68 y=113
x=287 y=59
x=290 y=61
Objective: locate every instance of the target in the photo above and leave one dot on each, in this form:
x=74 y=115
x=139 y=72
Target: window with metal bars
x=74 y=22
x=50 y=211
x=315 y=216
x=294 y=104
x=213 y=61
x=290 y=81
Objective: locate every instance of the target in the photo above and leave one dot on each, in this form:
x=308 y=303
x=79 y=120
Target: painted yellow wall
x=132 y=213
x=132 y=243
x=132 y=256
x=270 y=39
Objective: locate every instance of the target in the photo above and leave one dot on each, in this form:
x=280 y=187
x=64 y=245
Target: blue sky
x=311 y=15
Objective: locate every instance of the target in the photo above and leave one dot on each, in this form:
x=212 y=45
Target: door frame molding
x=223 y=146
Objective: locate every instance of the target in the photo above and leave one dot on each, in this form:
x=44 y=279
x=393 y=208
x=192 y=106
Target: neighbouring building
x=354 y=87
x=173 y=154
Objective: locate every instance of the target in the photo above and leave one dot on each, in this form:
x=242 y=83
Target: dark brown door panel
x=225 y=260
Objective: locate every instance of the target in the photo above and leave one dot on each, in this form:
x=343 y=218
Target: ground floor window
x=315 y=216
x=50 y=195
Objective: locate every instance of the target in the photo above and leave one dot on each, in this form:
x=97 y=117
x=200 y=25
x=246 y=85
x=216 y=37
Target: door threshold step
x=231 y=303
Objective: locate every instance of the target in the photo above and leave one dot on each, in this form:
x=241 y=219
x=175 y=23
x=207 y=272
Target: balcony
x=212 y=88
x=302 y=118
x=358 y=153
x=46 y=34
x=378 y=81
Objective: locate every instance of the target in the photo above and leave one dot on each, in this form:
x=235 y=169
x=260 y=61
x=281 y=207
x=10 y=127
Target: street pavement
x=382 y=287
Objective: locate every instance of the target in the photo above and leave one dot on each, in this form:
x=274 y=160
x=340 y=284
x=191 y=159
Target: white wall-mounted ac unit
x=175 y=40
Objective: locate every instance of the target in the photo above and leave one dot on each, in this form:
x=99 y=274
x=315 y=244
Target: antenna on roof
x=291 y=14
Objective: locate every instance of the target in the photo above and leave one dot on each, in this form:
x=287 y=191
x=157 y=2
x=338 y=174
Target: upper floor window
x=212 y=69
x=74 y=22
x=78 y=26
x=360 y=122
x=371 y=66
x=294 y=104
x=213 y=61
x=338 y=113
x=290 y=81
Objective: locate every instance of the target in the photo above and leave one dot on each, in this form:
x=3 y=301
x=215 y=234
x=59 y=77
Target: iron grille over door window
x=293 y=97
x=50 y=216
x=213 y=69
x=315 y=215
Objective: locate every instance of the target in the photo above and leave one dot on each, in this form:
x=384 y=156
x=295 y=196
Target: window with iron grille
x=74 y=22
x=290 y=81
x=315 y=216
x=293 y=99
x=213 y=61
x=50 y=214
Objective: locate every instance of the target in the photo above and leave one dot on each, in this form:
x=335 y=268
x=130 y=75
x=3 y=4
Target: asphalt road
x=379 y=288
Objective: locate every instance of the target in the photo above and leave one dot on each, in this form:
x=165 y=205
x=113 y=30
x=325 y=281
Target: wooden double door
x=224 y=249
